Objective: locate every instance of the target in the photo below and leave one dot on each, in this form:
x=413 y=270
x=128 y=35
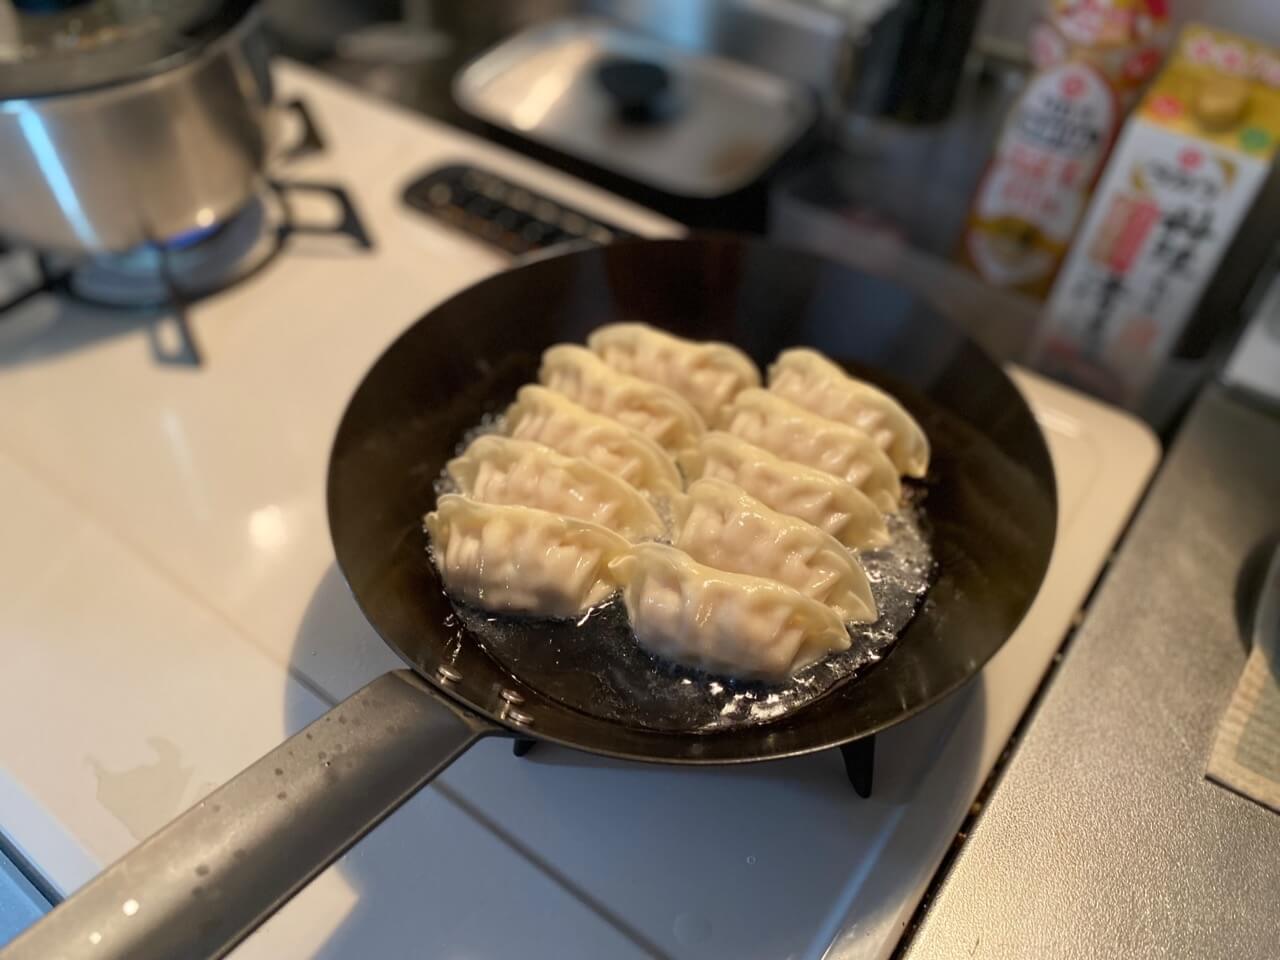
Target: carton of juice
x=1090 y=57
x=1185 y=172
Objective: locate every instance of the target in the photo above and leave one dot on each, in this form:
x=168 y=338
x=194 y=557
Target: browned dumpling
x=520 y=559
x=550 y=418
x=793 y=433
x=502 y=470
x=807 y=378
x=660 y=414
x=724 y=527
x=707 y=374
x=830 y=504
x=722 y=622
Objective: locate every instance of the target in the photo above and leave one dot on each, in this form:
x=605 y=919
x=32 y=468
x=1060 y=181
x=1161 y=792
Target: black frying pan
x=211 y=876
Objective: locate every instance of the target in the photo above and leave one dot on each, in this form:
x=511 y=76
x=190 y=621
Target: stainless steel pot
x=126 y=143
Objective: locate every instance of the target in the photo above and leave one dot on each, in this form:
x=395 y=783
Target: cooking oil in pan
x=594 y=664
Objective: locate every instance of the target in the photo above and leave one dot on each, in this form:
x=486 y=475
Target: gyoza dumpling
x=708 y=375
x=722 y=526
x=502 y=470
x=793 y=433
x=660 y=414
x=722 y=622
x=520 y=559
x=550 y=418
x=807 y=378
x=832 y=505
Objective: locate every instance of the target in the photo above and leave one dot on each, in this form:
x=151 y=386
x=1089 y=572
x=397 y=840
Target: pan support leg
x=859 y=763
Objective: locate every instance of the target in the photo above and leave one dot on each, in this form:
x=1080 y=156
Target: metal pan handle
x=204 y=882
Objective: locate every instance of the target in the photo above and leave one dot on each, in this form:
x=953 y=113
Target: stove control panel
x=503 y=213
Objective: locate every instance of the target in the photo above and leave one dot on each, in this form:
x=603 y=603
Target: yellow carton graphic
x=1184 y=174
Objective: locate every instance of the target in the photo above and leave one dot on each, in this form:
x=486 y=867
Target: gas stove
x=172 y=610
x=159 y=281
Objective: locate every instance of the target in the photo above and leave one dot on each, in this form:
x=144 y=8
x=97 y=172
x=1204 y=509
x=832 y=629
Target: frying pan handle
x=203 y=883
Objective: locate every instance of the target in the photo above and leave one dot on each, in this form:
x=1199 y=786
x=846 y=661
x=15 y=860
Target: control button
x=481 y=207
x=534 y=232
x=439 y=194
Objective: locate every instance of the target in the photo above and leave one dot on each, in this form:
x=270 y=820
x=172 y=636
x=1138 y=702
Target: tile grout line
x=553 y=873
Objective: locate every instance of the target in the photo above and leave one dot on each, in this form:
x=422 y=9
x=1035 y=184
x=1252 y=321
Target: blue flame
x=189 y=238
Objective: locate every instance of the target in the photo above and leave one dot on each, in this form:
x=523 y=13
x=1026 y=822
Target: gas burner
x=166 y=277
x=187 y=268
x=207 y=261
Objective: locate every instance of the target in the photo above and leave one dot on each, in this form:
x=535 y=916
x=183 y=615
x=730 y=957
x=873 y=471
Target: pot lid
x=63 y=46
x=690 y=125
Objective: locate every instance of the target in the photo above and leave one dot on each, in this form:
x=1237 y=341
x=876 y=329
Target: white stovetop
x=171 y=611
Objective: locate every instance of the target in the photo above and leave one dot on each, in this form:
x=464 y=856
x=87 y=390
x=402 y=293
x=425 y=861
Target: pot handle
x=200 y=885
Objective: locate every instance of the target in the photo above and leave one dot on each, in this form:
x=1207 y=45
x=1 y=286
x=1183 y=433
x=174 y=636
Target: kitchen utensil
x=692 y=126
x=128 y=123
x=202 y=883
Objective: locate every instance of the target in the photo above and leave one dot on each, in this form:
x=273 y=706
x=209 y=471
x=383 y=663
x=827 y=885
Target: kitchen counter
x=1103 y=838
x=123 y=641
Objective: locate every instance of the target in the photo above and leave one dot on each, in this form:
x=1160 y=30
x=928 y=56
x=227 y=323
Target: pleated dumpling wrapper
x=725 y=623
x=502 y=470
x=707 y=374
x=810 y=380
x=723 y=526
x=519 y=559
x=659 y=413
x=836 y=507
x=794 y=433
x=552 y=419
